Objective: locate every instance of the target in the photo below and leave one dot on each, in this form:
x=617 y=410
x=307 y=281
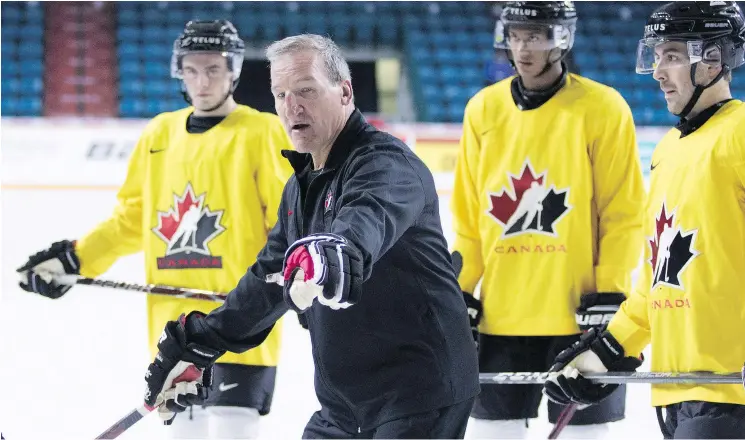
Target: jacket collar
x=302 y=162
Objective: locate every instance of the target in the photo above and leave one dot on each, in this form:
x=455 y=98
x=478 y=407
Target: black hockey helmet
x=713 y=31
x=558 y=18
x=217 y=36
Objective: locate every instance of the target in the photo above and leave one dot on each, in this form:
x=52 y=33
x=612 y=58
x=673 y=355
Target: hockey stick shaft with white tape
x=177 y=292
x=615 y=377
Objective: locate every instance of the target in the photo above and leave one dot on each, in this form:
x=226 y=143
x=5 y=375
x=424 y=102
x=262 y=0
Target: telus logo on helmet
x=654 y=27
x=521 y=11
x=206 y=40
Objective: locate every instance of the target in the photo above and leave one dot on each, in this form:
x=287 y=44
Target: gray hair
x=337 y=68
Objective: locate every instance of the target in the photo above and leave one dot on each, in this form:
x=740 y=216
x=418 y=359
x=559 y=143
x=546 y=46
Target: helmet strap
x=550 y=63
x=699 y=89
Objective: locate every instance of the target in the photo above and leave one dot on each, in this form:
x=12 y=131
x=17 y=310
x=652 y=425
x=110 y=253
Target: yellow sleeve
x=273 y=171
x=630 y=325
x=737 y=156
x=120 y=234
x=619 y=196
x=464 y=203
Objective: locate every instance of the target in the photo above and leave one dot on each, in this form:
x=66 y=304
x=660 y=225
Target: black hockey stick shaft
x=177 y=292
x=615 y=377
x=126 y=422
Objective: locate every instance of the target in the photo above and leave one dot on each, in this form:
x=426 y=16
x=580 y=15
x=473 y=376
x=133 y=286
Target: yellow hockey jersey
x=689 y=301
x=546 y=204
x=200 y=206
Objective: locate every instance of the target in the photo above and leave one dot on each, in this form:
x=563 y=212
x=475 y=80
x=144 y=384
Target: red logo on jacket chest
x=329 y=202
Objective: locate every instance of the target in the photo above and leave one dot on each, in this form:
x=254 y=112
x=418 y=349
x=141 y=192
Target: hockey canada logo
x=529 y=206
x=672 y=250
x=187 y=228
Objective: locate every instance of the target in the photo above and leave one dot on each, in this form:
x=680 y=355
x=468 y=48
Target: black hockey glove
x=37 y=275
x=181 y=373
x=474 y=314
x=597 y=351
x=322 y=266
x=473 y=305
x=597 y=309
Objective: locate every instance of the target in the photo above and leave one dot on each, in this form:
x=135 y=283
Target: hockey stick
x=563 y=420
x=615 y=377
x=567 y=413
x=126 y=422
x=176 y=292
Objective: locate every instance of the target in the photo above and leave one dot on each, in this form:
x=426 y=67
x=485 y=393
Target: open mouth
x=300 y=127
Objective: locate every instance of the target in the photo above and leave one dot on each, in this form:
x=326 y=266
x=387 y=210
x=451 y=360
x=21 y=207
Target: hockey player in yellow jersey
x=201 y=194
x=547 y=215
x=689 y=301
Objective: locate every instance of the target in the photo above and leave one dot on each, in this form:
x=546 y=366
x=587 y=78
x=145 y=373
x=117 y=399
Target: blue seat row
x=139 y=108
x=21 y=106
x=25 y=85
x=21 y=35
x=164 y=87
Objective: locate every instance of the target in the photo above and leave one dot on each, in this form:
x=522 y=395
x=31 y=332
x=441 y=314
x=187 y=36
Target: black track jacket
x=406 y=346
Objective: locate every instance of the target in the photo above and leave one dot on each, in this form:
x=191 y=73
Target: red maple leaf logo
x=503 y=205
x=661 y=221
x=168 y=222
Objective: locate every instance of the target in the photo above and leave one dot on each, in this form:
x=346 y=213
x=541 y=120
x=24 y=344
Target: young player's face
x=207 y=79
x=311 y=108
x=529 y=47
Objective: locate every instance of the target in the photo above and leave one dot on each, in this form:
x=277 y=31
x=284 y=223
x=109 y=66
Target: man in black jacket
x=359 y=252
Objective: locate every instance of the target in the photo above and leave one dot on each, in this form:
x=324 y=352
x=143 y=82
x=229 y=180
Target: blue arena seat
x=22 y=35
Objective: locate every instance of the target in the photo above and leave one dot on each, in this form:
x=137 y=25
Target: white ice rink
x=71 y=367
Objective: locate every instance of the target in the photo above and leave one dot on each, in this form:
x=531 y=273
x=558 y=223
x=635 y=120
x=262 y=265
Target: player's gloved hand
x=323 y=266
x=37 y=274
x=474 y=314
x=475 y=309
x=597 y=351
x=597 y=309
x=181 y=372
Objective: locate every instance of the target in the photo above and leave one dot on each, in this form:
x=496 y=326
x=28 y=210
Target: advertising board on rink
x=92 y=154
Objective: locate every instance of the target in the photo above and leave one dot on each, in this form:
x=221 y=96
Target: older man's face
x=311 y=108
